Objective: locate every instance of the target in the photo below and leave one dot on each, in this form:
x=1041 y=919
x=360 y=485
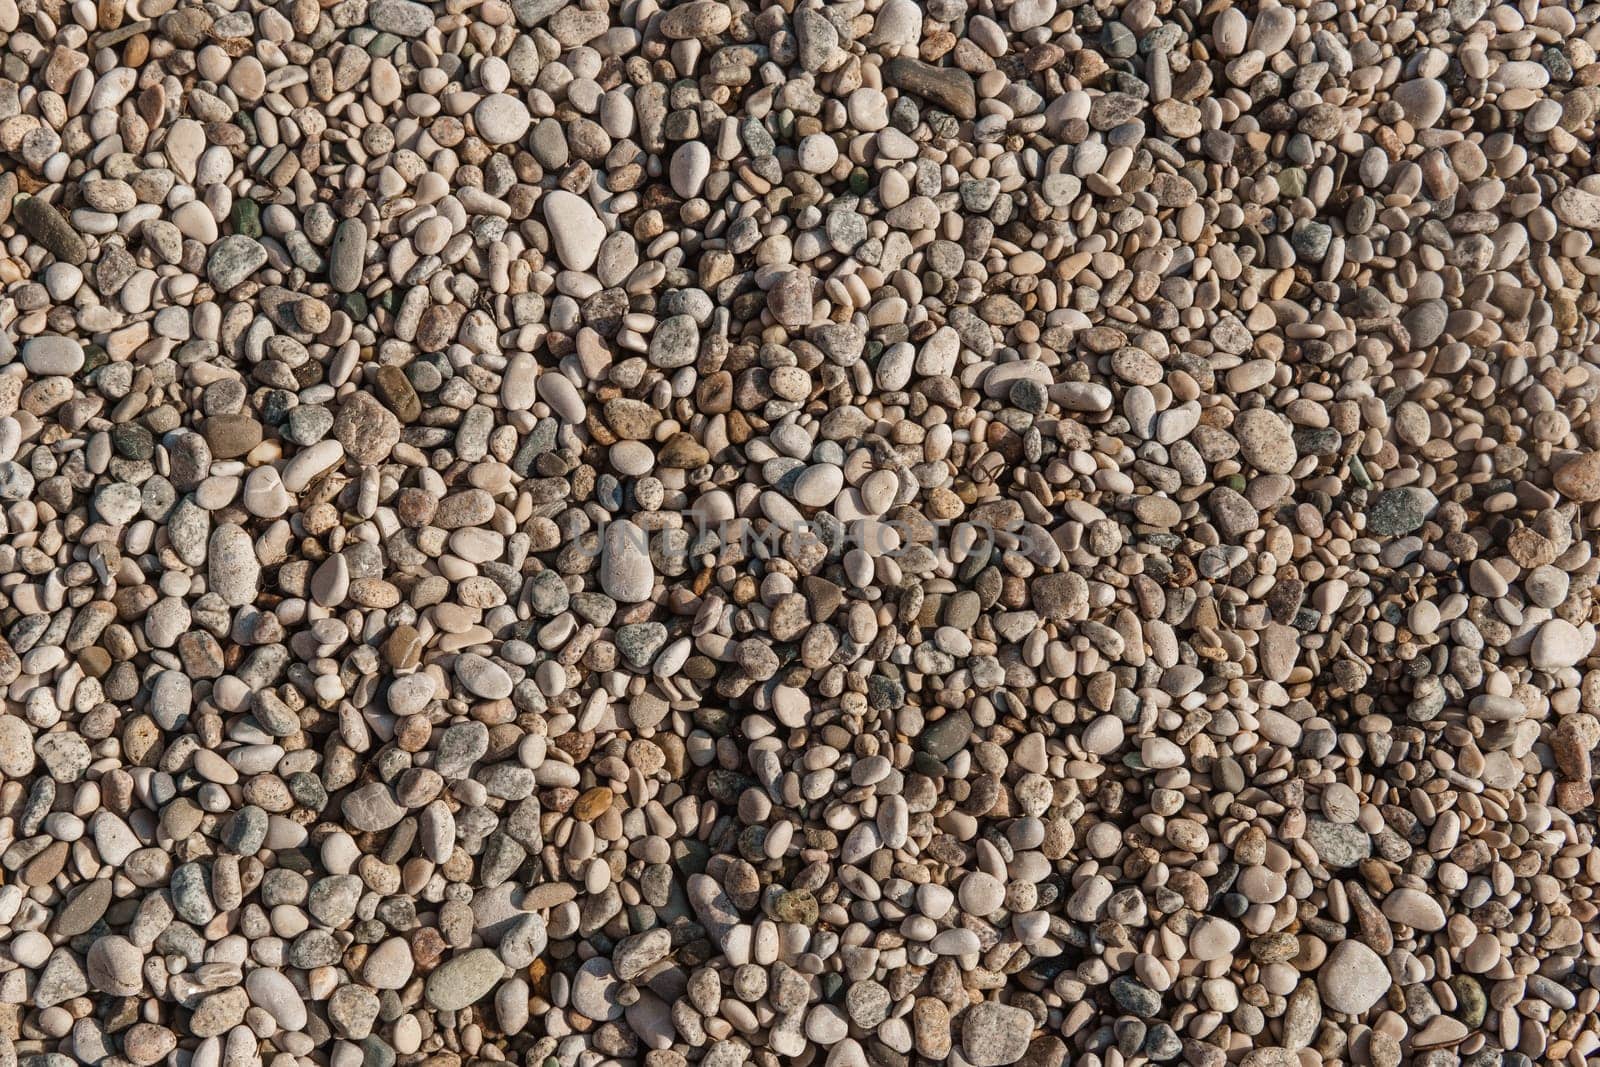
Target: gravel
x=1024 y=532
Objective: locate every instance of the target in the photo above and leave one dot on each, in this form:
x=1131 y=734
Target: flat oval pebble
x=274 y=994
x=575 y=230
x=626 y=571
x=463 y=980
x=52 y=354
x=501 y=118
x=483 y=677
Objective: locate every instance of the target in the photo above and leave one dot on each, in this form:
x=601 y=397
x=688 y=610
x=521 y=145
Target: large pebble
x=575 y=230
x=626 y=573
x=464 y=980
x=1353 y=978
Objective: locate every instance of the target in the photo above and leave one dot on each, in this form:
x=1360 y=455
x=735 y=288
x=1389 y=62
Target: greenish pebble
x=714 y=721
x=1311 y=239
x=1471 y=1003
x=1557 y=63
x=132 y=441
x=884 y=694
x=639 y=642
x=1135 y=997
x=94 y=357
x=796 y=906
x=1400 y=511
x=246 y=217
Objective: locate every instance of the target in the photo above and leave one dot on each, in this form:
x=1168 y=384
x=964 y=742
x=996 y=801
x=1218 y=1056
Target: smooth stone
x=575 y=230
x=626 y=572
x=1559 y=645
x=519 y=384
x=50 y=354
x=818 y=486
x=501 y=119
x=1423 y=100
x=595 y=989
x=84 y=909
x=1265 y=440
x=347 y=256
x=232 y=570
x=272 y=992
x=406 y=18
x=981 y=894
x=390 y=965
x=482 y=677
x=1213 y=939
x=48 y=226
x=690 y=166
x=464 y=980
x=1415 y=909
x=1353 y=978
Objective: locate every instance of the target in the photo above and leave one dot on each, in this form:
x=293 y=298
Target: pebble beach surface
x=879 y=532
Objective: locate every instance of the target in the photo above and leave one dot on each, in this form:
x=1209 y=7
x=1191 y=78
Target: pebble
x=1559 y=644
x=595 y=991
x=1213 y=939
x=1578 y=477
x=1400 y=511
x=367 y=430
x=52 y=354
x=1265 y=441
x=389 y=965
x=981 y=894
x=232 y=260
x=115 y=966
x=274 y=994
x=501 y=119
x=994 y=1034
x=1353 y=978
x=575 y=230
x=405 y=18
x=347 y=255
x=946 y=87
x=626 y=570
x=1338 y=845
x=1414 y=908
x=45 y=224
x=464 y=980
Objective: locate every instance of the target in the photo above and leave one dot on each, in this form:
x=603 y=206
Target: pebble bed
x=573 y=532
